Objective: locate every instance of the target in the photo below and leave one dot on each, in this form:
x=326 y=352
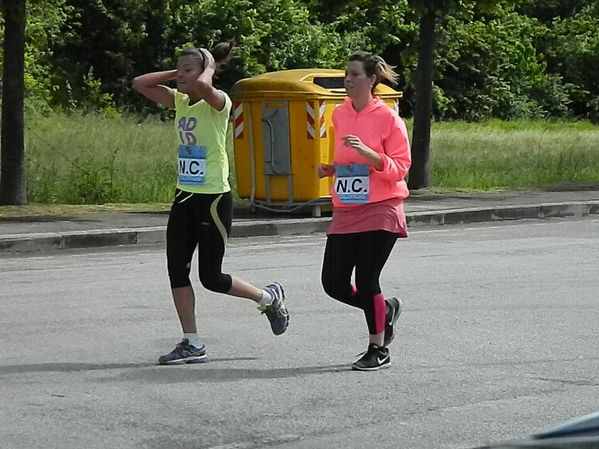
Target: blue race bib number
x=352 y=183
x=192 y=165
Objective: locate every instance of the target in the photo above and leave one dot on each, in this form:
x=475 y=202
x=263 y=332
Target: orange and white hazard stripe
x=312 y=121
x=238 y=119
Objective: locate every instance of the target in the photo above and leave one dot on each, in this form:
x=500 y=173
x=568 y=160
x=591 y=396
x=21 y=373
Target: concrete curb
x=501 y=213
x=51 y=241
x=48 y=241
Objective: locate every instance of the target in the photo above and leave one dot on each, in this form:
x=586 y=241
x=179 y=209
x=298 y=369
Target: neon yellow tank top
x=203 y=166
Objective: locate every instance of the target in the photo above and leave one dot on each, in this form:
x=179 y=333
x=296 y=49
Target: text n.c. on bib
x=192 y=165
x=352 y=183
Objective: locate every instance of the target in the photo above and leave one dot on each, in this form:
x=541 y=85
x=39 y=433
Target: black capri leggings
x=202 y=221
x=367 y=252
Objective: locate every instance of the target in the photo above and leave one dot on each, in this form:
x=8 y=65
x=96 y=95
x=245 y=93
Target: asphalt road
x=498 y=340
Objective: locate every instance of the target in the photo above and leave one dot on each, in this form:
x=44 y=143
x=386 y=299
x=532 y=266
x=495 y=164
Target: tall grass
x=94 y=159
x=513 y=155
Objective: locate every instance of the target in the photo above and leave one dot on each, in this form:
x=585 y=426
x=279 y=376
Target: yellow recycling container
x=282 y=130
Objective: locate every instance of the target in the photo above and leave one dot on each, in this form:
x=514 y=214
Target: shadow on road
x=65 y=367
x=209 y=373
x=145 y=371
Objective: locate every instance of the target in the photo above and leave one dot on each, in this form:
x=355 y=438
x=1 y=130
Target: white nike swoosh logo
x=390 y=321
x=380 y=361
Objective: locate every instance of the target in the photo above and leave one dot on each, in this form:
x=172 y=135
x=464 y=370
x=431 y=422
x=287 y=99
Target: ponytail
x=222 y=51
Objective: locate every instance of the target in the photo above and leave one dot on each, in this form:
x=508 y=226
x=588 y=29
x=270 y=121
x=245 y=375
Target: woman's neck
x=361 y=102
x=193 y=98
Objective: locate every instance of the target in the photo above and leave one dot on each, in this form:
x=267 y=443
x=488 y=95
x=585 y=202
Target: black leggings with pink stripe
x=366 y=252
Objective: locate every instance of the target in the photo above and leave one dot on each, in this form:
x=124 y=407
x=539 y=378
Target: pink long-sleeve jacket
x=381 y=129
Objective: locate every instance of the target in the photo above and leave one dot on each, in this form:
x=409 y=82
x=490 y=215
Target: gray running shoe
x=276 y=312
x=375 y=358
x=394 y=308
x=184 y=353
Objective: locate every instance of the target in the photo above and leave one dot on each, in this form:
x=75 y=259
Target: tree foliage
x=571 y=48
x=518 y=58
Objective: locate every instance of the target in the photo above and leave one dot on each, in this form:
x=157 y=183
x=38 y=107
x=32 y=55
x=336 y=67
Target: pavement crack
x=577 y=382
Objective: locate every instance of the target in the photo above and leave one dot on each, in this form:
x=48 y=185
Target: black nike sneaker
x=375 y=358
x=394 y=308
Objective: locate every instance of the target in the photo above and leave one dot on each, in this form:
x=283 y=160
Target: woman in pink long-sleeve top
x=372 y=158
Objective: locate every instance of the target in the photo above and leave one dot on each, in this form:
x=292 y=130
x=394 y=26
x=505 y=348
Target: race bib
x=352 y=183
x=192 y=165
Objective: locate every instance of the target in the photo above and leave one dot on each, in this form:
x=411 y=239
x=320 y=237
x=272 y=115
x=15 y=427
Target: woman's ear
x=372 y=80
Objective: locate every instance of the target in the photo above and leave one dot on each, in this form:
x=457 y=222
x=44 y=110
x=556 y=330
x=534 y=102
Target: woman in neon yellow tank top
x=201 y=213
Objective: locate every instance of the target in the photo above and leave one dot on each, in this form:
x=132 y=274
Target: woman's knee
x=178 y=274
x=219 y=283
x=335 y=289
